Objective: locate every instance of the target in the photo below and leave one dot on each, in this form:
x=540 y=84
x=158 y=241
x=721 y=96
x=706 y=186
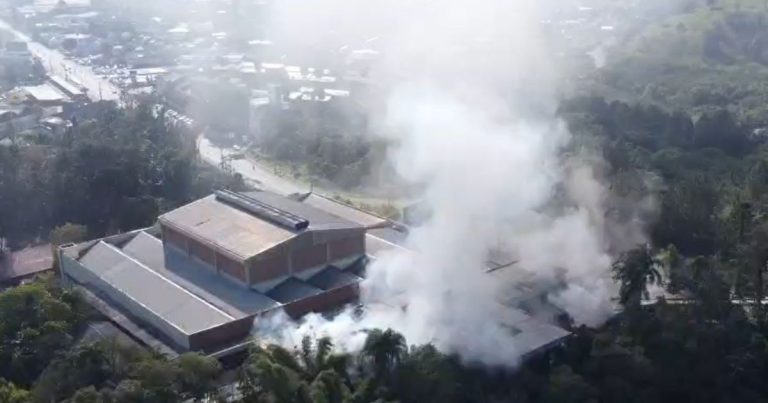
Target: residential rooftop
x=26 y=263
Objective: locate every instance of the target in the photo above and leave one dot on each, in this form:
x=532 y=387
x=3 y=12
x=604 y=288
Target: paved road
x=99 y=88
x=57 y=63
x=259 y=175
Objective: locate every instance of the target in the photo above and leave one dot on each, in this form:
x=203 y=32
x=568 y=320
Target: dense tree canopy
x=113 y=173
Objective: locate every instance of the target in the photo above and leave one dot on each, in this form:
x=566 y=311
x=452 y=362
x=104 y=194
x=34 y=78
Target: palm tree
x=635 y=270
x=384 y=349
x=312 y=372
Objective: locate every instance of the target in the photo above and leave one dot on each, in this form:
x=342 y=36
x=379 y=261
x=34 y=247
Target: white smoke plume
x=472 y=113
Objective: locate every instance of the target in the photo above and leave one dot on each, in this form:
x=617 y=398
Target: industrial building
x=201 y=277
x=208 y=271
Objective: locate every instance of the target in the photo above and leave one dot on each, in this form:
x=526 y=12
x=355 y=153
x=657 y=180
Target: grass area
x=386 y=207
x=697 y=58
x=382 y=208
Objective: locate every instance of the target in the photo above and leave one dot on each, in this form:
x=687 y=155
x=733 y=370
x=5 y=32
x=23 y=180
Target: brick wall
x=215 y=338
x=231 y=267
x=344 y=248
x=202 y=252
x=269 y=269
x=174 y=238
x=312 y=256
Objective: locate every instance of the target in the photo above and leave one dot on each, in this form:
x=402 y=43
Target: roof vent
x=263 y=210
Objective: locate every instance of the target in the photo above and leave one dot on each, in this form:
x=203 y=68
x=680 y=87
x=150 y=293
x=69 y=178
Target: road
x=57 y=63
x=100 y=88
x=259 y=175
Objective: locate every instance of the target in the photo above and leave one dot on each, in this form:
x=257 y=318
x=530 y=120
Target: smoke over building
x=470 y=107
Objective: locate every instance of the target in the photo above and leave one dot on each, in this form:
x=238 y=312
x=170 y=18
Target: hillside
x=701 y=57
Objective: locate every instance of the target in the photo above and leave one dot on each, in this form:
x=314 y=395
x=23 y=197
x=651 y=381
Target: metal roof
x=375 y=246
x=292 y=290
x=390 y=235
x=531 y=334
x=145 y=248
x=196 y=278
x=26 y=262
x=194 y=275
x=262 y=210
x=319 y=219
x=243 y=234
x=331 y=278
x=44 y=93
x=163 y=298
x=342 y=210
x=358 y=268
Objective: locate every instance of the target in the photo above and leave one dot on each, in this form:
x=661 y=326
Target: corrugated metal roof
x=44 y=93
x=341 y=210
x=318 y=218
x=358 y=268
x=243 y=234
x=390 y=235
x=375 y=246
x=238 y=232
x=165 y=299
x=331 y=278
x=292 y=290
x=198 y=279
x=146 y=249
x=26 y=262
x=534 y=335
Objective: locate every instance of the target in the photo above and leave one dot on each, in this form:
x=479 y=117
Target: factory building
x=252 y=241
x=207 y=271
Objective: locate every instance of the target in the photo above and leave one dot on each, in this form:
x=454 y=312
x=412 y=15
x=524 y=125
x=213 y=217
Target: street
x=261 y=176
x=98 y=88
x=57 y=64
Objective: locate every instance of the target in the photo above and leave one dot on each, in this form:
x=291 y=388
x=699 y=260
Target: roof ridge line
x=147 y=268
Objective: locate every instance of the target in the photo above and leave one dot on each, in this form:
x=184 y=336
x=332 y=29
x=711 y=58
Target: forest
x=112 y=173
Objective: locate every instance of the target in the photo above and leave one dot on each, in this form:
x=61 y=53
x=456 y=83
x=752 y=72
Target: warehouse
x=200 y=278
x=260 y=239
x=526 y=314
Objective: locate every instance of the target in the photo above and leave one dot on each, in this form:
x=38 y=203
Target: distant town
x=59 y=56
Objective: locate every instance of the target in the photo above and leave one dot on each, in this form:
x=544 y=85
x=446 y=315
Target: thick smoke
x=471 y=112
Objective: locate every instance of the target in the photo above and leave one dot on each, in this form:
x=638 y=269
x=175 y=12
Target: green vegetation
x=710 y=54
x=44 y=359
x=112 y=173
x=322 y=139
x=383 y=209
x=36 y=321
x=704 y=347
